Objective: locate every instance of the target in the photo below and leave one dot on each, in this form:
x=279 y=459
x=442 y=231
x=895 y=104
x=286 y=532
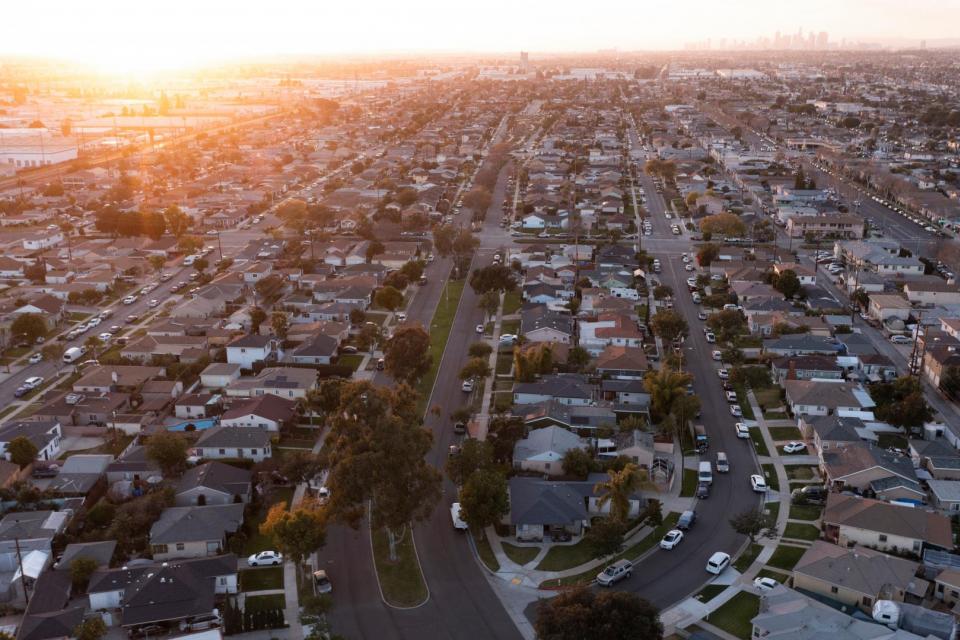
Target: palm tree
x=664 y=387
x=618 y=488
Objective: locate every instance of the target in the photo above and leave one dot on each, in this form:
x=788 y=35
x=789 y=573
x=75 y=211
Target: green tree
x=280 y=324
x=178 y=223
x=443 y=237
x=605 y=537
x=788 y=283
x=169 y=451
x=81 y=569
x=493 y=277
x=157 y=262
x=388 y=298
x=707 y=253
x=901 y=403
x=587 y=614
x=950 y=381
x=53 y=352
x=665 y=387
x=22 y=451
x=29 y=327
x=489 y=302
x=407 y=354
x=475 y=368
x=413 y=269
x=91 y=629
x=617 y=490
x=669 y=325
x=189 y=244
x=296 y=533
x=201 y=264
x=475 y=455
x=478 y=199
x=577 y=462
x=754 y=524
x=726 y=224
x=479 y=350
x=257 y=316
x=662 y=292
x=578 y=358
x=727 y=324
x=483 y=499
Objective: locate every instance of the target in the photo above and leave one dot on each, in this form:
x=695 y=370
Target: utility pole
x=23 y=576
x=912 y=366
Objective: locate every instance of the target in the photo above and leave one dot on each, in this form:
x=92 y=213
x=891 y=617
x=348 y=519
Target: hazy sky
x=132 y=34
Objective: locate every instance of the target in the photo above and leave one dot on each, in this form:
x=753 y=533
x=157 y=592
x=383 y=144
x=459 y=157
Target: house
x=539 y=508
x=287 y=382
x=213 y=483
x=182 y=348
x=107 y=378
x=932 y=291
x=849 y=520
x=947 y=587
x=822 y=398
x=566 y=388
x=543 y=449
x=163 y=593
x=218 y=375
x=857 y=576
x=249 y=349
x=539 y=324
x=50 y=613
x=636 y=445
x=194 y=532
x=318 y=349
x=32 y=530
x=197 y=406
x=269 y=412
x=800 y=344
x=945 y=495
x=832 y=226
x=583 y=419
x=864 y=467
x=883 y=307
x=805 y=367
x=833 y=431
x=233 y=442
x=46 y=436
x=622 y=363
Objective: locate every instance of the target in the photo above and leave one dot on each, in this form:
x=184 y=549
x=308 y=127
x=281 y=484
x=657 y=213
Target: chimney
x=792 y=370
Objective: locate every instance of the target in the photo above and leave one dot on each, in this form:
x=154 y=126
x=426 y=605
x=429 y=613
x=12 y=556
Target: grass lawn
x=772 y=509
x=689 y=484
x=486 y=553
x=744 y=402
x=779 y=576
x=734 y=617
x=504 y=363
x=502 y=401
x=567 y=556
x=351 y=360
x=784 y=433
x=710 y=592
x=768 y=398
x=401 y=580
x=801 y=472
x=511 y=302
x=805 y=512
x=785 y=557
x=263 y=603
x=775 y=415
x=770 y=473
x=255 y=540
x=261 y=579
x=520 y=555
x=439 y=332
x=377 y=317
x=758 y=442
x=747 y=557
x=510 y=326
x=800 y=531
x=298 y=437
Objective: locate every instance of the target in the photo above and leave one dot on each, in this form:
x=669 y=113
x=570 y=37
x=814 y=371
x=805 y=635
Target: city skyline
x=125 y=37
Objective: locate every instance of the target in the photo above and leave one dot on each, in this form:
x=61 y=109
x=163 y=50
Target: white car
x=35 y=358
x=743 y=431
x=723 y=374
x=105 y=337
x=401 y=316
x=129 y=299
x=794 y=447
x=710 y=337
x=689 y=267
x=467 y=386
x=153 y=303
x=479 y=328
x=94 y=322
x=672 y=539
x=508 y=338
x=265 y=558
x=686 y=259
x=765 y=584
x=736 y=411
x=900 y=339
x=758 y=484
x=717 y=355
x=33 y=382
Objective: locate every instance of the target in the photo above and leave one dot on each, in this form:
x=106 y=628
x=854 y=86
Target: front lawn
x=785 y=557
x=352 y=360
x=511 y=302
x=770 y=473
x=688 y=484
x=260 y=579
x=486 y=553
x=567 y=556
x=710 y=592
x=734 y=616
x=298 y=437
x=520 y=555
x=801 y=472
x=805 y=512
x=768 y=398
x=747 y=557
x=784 y=433
x=799 y=531
x=759 y=444
x=264 y=603
x=744 y=402
x=401 y=581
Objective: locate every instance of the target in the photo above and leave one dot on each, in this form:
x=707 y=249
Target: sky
x=134 y=35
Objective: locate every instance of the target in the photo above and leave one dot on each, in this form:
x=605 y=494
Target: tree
x=478 y=199
x=578 y=358
x=374 y=249
x=586 y=614
x=494 y=278
x=413 y=269
x=605 y=536
x=169 y=451
x=36 y=272
x=662 y=292
x=479 y=350
x=726 y=224
x=617 y=490
x=157 y=262
x=665 y=387
x=475 y=368
x=474 y=455
x=577 y=462
x=28 y=326
x=152 y=224
x=407 y=354
x=950 y=381
x=22 y=451
x=489 y=302
x=754 y=524
x=296 y=533
x=388 y=298
x=280 y=324
x=53 y=352
x=189 y=244
x=178 y=223
x=81 y=568
x=201 y=264
x=357 y=316
x=788 y=283
x=901 y=403
x=727 y=324
x=377 y=451
x=707 y=254
x=669 y=325
x=90 y=629
x=93 y=344
x=300 y=466
x=443 y=237
x=483 y=499
x=257 y=316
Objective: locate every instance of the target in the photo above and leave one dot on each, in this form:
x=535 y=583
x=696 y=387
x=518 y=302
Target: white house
x=249 y=349
x=233 y=442
x=46 y=436
x=43 y=240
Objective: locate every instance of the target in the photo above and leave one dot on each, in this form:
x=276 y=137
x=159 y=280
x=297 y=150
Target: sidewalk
x=482 y=419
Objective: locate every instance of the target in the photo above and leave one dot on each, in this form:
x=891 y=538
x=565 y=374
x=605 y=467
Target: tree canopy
x=407 y=354
x=726 y=224
x=587 y=614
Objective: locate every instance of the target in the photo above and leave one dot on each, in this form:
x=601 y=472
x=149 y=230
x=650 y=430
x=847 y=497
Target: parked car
x=703 y=491
x=794 y=447
x=467 y=386
x=736 y=411
x=619 y=570
x=758 y=484
x=321 y=582
x=672 y=539
x=35 y=358
x=810 y=494
x=33 y=382
x=765 y=584
x=718 y=562
x=686 y=520
x=129 y=299
x=265 y=558
x=743 y=431
x=479 y=328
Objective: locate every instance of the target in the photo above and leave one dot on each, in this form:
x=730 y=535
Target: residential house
x=195 y=531
x=287 y=382
x=268 y=412
x=233 y=442
x=822 y=398
x=622 y=363
x=538 y=324
x=932 y=291
x=213 y=483
x=198 y=406
x=947 y=587
x=218 y=375
x=250 y=349
x=539 y=508
x=866 y=468
x=566 y=388
x=805 y=367
x=800 y=344
x=108 y=378
x=543 y=449
x=582 y=419
x=883 y=307
x=46 y=436
x=318 y=349
x=849 y=520
x=945 y=495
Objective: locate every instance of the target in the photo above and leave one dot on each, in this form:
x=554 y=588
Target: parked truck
x=700 y=434
x=923 y=622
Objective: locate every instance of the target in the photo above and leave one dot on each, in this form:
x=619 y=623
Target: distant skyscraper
x=823 y=40
x=524 y=60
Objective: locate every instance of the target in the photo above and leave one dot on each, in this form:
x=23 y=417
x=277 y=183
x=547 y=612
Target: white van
x=723 y=465
x=189 y=260
x=458 y=522
x=718 y=562
x=705 y=474
x=73 y=354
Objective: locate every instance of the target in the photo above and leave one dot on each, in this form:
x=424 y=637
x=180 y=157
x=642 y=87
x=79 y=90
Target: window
x=179 y=546
x=223 y=452
x=833 y=590
x=867 y=601
x=253 y=452
x=159 y=548
x=883 y=537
